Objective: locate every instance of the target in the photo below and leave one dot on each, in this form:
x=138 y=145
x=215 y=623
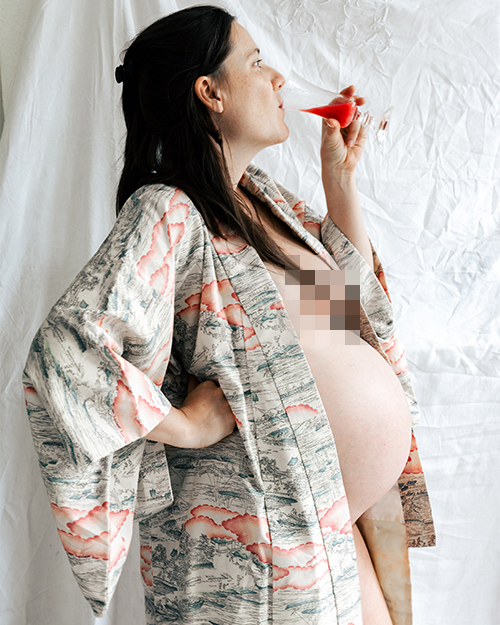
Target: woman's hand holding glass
x=341 y=148
x=204 y=419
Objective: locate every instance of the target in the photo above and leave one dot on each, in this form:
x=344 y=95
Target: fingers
x=349 y=92
x=332 y=123
x=356 y=134
x=351 y=133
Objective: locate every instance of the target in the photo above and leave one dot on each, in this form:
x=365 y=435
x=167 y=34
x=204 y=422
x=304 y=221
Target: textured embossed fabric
x=255 y=528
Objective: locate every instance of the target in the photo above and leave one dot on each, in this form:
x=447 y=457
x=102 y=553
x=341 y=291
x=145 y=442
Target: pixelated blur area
x=323 y=305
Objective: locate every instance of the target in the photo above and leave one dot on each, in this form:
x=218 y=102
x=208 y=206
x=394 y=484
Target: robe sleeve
x=92 y=383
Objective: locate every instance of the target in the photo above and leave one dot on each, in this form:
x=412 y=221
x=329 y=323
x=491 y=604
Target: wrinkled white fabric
x=436 y=178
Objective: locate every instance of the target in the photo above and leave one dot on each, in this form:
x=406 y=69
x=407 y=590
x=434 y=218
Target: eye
x=257 y=63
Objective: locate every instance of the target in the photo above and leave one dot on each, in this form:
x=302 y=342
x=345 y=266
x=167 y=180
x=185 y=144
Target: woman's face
x=252 y=116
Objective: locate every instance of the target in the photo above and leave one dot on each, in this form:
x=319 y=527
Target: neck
x=237 y=160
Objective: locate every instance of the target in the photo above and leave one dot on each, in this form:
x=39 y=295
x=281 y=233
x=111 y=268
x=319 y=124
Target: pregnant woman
x=194 y=377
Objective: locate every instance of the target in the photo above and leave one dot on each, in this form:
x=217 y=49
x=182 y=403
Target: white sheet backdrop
x=431 y=205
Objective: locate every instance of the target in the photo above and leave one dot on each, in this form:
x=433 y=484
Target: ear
x=209 y=93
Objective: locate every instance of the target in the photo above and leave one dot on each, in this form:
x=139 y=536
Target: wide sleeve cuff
x=98 y=361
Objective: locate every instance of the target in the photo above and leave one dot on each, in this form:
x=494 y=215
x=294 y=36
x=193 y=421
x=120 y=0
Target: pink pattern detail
x=251 y=342
x=383 y=282
x=158 y=367
x=162 y=280
x=213 y=512
x=146 y=565
x=298 y=209
x=263 y=551
x=133 y=407
x=98 y=533
x=191 y=313
x=218 y=296
x=152 y=260
x=277 y=306
x=326 y=256
x=336 y=518
x=125 y=413
x=232 y=245
x=301 y=412
x=156 y=266
x=302 y=555
x=395 y=352
x=313 y=227
x=302 y=577
x=298 y=567
x=96 y=520
x=413 y=465
x=178 y=211
x=203 y=526
x=279 y=573
x=249 y=529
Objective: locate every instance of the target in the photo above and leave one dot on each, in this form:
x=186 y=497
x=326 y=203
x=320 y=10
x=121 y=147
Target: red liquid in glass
x=343 y=113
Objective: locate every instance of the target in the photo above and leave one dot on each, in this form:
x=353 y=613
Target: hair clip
x=119 y=73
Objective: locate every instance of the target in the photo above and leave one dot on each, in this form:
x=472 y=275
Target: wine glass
x=300 y=95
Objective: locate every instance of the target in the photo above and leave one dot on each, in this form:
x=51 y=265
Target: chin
x=283 y=135
x=278 y=136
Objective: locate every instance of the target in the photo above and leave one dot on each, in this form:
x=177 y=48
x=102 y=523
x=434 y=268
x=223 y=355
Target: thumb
x=332 y=126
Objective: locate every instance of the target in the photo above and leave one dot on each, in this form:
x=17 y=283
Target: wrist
x=175 y=429
x=338 y=177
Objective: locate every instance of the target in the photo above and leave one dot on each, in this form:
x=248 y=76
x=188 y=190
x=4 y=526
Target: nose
x=278 y=80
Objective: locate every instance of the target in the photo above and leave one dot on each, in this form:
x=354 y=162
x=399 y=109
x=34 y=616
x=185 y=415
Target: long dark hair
x=171 y=137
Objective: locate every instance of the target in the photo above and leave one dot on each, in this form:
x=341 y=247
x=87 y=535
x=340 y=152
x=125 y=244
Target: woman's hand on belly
x=204 y=419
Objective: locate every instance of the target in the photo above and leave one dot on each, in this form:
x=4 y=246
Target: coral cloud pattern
x=413 y=465
x=219 y=297
x=231 y=245
x=100 y=533
x=134 y=411
x=157 y=265
x=383 y=282
x=147 y=565
x=336 y=518
x=298 y=567
x=300 y=412
x=395 y=352
x=299 y=210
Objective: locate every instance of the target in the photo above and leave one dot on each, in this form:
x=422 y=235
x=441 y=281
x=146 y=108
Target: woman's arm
x=204 y=419
x=340 y=154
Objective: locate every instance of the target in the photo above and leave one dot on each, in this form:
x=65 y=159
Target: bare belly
x=363 y=399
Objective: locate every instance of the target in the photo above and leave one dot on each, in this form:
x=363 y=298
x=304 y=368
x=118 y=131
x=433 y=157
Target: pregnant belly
x=364 y=401
x=369 y=417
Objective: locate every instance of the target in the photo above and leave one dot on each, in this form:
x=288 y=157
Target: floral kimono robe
x=255 y=528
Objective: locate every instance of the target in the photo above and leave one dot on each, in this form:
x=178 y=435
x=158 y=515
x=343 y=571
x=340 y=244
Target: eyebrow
x=253 y=52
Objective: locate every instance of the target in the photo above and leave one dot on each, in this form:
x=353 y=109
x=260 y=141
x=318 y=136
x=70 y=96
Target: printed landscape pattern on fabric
x=255 y=528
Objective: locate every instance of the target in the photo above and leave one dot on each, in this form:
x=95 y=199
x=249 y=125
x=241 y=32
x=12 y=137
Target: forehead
x=242 y=42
